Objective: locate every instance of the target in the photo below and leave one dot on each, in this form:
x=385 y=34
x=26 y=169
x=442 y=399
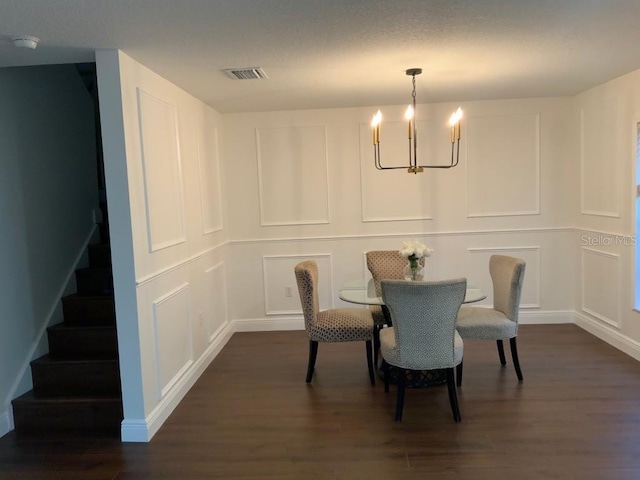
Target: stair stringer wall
x=168 y=237
x=48 y=189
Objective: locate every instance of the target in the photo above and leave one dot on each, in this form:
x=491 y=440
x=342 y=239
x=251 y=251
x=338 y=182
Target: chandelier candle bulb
x=375 y=123
x=454 y=121
x=408 y=115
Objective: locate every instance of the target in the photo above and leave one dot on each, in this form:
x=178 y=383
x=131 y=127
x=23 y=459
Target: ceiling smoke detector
x=248 y=73
x=26 y=41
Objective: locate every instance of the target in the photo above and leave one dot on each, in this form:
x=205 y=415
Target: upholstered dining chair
x=333 y=325
x=500 y=322
x=423 y=335
x=387 y=265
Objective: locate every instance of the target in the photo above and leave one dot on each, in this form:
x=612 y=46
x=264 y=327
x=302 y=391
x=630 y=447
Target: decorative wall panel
x=479 y=262
x=216 y=308
x=601 y=285
x=390 y=195
x=600 y=154
x=173 y=340
x=209 y=170
x=162 y=171
x=280 y=287
x=503 y=165
x=293 y=175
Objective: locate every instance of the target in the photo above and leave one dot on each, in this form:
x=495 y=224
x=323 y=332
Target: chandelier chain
x=413 y=94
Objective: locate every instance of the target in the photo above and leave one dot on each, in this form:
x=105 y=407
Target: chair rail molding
x=405 y=235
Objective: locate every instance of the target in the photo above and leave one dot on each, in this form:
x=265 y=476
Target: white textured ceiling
x=332 y=53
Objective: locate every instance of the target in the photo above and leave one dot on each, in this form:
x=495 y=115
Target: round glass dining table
x=363 y=292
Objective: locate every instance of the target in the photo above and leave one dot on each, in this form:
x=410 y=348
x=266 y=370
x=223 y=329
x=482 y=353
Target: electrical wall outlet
x=288 y=291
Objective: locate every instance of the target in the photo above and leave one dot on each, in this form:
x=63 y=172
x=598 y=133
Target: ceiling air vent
x=250 y=73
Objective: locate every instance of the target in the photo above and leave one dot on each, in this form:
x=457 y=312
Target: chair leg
x=313 y=353
x=372 y=376
x=459 y=374
x=402 y=374
x=453 y=397
x=376 y=344
x=514 y=356
x=503 y=361
x=385 y=372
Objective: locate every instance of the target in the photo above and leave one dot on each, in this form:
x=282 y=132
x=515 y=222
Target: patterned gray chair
x=423 y=335
x=333 y=325
x=387 y=265
x=501 y=321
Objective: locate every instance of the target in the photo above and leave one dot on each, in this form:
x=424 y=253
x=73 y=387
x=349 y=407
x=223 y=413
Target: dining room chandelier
x=410 y=117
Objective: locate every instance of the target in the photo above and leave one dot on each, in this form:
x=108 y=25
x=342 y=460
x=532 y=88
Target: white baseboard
x=268 y=324
x=546 y=317
x=609 y=334
x=143 y=430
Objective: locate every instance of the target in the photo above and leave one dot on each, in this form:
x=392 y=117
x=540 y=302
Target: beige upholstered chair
x=383 y=264
x=333 y=325
x=423 y=335
x=501 y=321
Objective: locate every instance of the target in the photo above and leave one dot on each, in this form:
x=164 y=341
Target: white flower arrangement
x=414 y=250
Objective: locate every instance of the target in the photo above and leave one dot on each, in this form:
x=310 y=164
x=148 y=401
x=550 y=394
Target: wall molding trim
x=615 y=157
x=143 y=430
x=602 y=232
x=178 y=265
x=614 y=322
x=608 y=334
x=332 y=238
x=262 y=181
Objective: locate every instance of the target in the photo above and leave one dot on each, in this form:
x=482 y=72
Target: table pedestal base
x=414 y=378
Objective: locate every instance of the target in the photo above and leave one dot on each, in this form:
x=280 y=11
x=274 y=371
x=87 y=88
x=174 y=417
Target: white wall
x=302 y=184
x=163 y=171
x=48 y=189
x=605 y=219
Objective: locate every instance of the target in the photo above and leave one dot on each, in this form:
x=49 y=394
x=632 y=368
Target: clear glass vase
x=413 y=271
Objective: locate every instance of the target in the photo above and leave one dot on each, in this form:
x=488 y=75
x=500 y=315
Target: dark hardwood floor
x=251 y=416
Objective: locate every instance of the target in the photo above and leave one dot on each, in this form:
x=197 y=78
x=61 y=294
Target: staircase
x=76 y=386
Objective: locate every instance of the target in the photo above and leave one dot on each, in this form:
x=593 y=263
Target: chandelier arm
x=378 y=163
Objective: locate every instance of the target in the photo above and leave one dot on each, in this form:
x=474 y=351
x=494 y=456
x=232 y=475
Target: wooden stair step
x=89 y=309
x=94 y=281
x=55 y=376
x=83 y=340
x=103 y=228
x=32 y=413
x=100 y=255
